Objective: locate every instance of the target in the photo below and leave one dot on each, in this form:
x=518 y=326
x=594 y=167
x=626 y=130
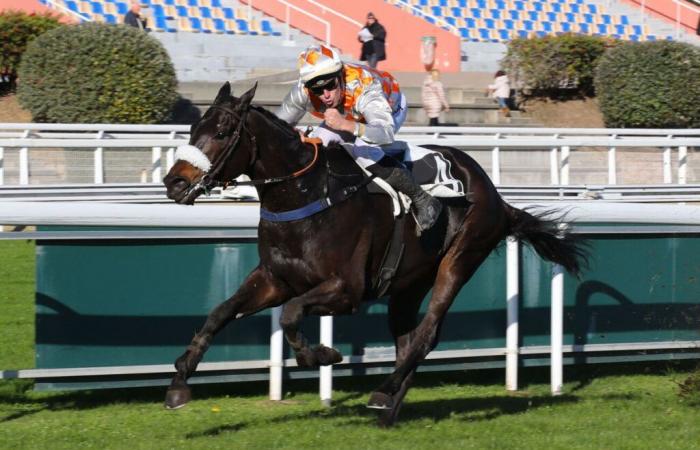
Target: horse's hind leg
x=403 y=319
x=328 y=298
x=259 y=291
x=456 y=268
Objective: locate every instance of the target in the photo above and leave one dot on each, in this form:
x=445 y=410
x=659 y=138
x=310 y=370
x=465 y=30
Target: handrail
x=52 y=3
x=306 y=13
x=334 y=12
x=443 y=22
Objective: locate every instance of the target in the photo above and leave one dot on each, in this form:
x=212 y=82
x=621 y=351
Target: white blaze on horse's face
x=194 y=156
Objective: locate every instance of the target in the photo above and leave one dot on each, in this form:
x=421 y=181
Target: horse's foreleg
x=403 y=319
x=260 y=290
x=328 y=298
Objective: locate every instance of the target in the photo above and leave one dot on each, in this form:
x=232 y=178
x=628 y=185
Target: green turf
x=634 y=406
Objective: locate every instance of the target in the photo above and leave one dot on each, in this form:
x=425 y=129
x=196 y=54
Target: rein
x=208 y=181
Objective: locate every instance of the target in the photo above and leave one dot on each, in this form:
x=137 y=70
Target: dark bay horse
x=324 y=264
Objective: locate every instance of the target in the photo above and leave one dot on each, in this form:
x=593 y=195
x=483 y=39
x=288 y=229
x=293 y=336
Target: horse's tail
x=549 y=240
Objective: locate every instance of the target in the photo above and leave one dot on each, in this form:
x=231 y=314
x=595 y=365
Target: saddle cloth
x=430 y=169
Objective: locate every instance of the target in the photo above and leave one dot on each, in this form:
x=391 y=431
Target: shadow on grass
x=17 y=397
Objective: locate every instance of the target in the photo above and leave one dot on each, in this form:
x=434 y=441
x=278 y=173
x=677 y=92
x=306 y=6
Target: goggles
x=323 y=85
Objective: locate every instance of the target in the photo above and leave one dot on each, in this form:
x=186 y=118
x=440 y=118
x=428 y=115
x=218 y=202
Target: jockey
x=361 y=106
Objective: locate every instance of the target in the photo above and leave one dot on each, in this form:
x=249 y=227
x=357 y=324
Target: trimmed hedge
x=97 y=73
x=545 y=66
x=650 y=85
x=17 y=29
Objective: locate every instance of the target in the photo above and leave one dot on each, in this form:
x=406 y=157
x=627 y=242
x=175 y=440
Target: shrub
x=17 y=29
x=544 y=66
x=97 y=73
x=650 y=85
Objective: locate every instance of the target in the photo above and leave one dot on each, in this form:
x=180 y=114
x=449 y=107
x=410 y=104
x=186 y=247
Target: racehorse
x=325 y=263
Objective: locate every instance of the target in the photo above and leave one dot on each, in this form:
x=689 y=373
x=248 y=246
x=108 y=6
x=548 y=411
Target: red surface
x=668 y=11
x=404 y=31
x=30 y=6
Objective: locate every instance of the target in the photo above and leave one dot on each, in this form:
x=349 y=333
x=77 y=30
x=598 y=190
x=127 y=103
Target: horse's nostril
x=175 y=185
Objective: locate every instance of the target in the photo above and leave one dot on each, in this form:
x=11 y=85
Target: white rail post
x=612 y=164
x=156 y=176
x=2 y=166
x=512 y=300
x=565 y=150
x=496 y=164
x=170 y=155
x=326 y=372
x=276 y=354
x=682 y=164
x=557 y=330
x=668 y=178
x=554 y=164
x=24 y=162
x=98 y=161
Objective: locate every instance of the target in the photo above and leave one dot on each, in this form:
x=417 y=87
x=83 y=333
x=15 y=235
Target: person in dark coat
x=372 y=36
x=133 y=18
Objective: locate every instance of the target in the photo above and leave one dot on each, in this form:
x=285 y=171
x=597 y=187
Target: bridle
x=208 y=181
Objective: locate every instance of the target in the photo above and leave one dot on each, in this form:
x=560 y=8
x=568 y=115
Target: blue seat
x=228 y=12
x=471 y=23
x=570 y=17
x=205 y=12
x=504 y=35
x=620 y=29
x=162 y=24
x=464 y=33
x=490 y=24
x=551 y=17
x=451 y=20
x=602 y=29
x=637 y=29
x=495 y=13
x=514 y=15
x=500 y=4
x=170 y=2
x=481 y=4
x=593 y=9
x=538 y=6
x=523 y=34
x=196 y=24
x=110 y=19
x=158 y=11
x=509 y=24
x=242 y=26
x=72 y=5
x=216 y=3
x=547 y=26
x=624 y=20
x=96 y=8
x=267 y=28
x=533 y=15
x=574 y=8
x=634 y=37
x=651 y=37
x=220 y=26
x=122 y=8
x=475 y=13
x=565 y=27
x=519 y=5
x=584 y=28
x=436 y=11
x=528 y=25
x=456 y=12
x=484 y=34
x=588 y=18
x=540 y=33
x=181 y=11
x=192 y=3
x=556 y=7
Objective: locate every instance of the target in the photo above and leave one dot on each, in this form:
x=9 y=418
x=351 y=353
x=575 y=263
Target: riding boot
x=427 y=208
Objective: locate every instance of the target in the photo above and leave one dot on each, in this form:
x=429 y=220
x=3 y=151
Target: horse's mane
x=281 y=124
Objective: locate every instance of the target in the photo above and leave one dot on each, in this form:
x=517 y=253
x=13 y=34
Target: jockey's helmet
x=318 y=62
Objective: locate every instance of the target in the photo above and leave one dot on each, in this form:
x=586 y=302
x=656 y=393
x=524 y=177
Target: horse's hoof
x=306 y=358
x=177 y=397
x=380 y=400
x=326 y=355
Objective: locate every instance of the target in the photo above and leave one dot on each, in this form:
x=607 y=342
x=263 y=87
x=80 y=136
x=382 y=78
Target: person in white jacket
x=500 y=90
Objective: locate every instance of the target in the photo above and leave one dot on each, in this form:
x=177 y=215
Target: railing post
x=557 y=330
x=554 y=164
x=170 y=155
x=98 y=161
x=612 y=164
x=668 y=178
x=565 y=149
x=326 y=372
x=156 y=176
x=513 y=298
x=682 y=164
x=2 y=166
x=496 y=164
x=24 y=161
x=276 y=354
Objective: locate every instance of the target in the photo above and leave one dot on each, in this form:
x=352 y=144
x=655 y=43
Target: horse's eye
x=220 y=135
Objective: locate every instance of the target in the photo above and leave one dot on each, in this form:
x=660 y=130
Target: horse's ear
x=247 y=97
x=224 y=93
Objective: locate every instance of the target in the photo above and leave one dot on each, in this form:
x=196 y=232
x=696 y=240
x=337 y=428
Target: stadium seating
x=502 y=20
x=169 y=16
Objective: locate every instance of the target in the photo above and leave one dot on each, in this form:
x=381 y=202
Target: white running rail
x=55 y=5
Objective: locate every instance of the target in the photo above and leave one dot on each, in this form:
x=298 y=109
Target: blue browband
x=296 y=214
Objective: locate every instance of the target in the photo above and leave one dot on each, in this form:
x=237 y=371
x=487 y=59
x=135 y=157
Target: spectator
x=372 y=36
x=433 y=97
x=500 y=90
x=133 y=18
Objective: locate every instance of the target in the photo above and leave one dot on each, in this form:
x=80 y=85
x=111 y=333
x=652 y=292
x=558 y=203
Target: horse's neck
x=278 y=157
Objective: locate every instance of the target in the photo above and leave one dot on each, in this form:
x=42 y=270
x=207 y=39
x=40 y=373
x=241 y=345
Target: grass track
x=605 y=407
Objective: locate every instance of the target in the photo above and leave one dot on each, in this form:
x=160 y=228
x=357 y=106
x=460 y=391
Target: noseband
x=208 y=180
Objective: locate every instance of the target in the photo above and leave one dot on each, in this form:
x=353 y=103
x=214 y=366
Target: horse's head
x=219 y=149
